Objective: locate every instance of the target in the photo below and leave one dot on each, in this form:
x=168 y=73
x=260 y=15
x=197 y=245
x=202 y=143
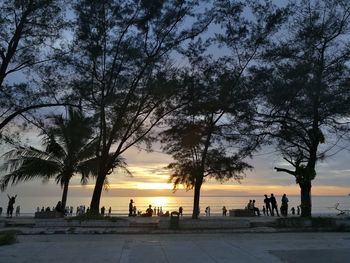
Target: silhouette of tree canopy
x=29 y=31
x=304 y=83
x=121 y=65
x=212 y=135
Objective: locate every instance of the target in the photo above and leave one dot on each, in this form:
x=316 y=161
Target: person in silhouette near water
x=224 y=210
x=131 y=207
x=284 y=206
x=267 y=205
x=149 y=211
x=273 y=205
x=59 y=207
x=180 y=210
x=11 y=202
x=255 y=209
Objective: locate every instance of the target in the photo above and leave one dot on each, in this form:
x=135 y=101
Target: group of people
x=251 y=206
x=156 y=211
x=271 y=207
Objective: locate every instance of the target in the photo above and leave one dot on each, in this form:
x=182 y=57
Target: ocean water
x=320 y=204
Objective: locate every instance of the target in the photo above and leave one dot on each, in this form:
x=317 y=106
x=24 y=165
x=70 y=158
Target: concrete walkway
x=243 y=248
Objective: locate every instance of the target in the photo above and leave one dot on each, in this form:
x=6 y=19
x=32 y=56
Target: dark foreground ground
x=224 y=247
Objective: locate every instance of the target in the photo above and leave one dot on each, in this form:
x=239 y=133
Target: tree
x=29 y=32
x=304 y=83
x=120 y=68
x=69 y=150
x=213 y=134
x=202 y=134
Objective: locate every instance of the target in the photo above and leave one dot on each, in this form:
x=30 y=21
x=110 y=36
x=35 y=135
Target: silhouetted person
x=109 y=211
x=11 y=202
x=273 y=205
x=207 y=211
x=131 y=207
x=149 y=211
x=224 y=211
x=180 y=210
x=292 y=210
x=267 y=202
x=42 y=209
x=298 y=210
x=59 y=208
x=103 y=210
x=250 y=205
x=284 y=206
x=255 y=209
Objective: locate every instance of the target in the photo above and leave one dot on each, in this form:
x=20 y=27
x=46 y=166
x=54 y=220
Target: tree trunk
x=305 y=195
x=65 y=193
x=96 y=196
x=197 y=191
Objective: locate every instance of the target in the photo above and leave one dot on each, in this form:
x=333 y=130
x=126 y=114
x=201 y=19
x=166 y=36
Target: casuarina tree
x=304 y=82
x=30 y=36
x=120 y=61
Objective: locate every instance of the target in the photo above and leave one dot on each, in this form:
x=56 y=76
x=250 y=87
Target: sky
x=150 y=177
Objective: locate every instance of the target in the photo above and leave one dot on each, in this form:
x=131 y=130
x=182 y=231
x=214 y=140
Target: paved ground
x=243 y=248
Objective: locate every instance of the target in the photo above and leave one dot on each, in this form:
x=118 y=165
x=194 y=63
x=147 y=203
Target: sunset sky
x=150 y=178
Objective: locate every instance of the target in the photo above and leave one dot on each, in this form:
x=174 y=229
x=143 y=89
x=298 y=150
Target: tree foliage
x=29 y=33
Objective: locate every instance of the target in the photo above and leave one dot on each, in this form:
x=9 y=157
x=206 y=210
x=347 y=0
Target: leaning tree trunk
x=96 y=196
x=197 y=191
x=65 y=194
x=305 y=196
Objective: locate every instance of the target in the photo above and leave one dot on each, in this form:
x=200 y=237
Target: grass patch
x=7 y=238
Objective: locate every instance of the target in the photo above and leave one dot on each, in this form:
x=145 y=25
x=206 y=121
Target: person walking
x=273 y=205
x=267 y=205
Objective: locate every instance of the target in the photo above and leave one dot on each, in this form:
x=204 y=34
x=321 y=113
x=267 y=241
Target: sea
x=321 y=205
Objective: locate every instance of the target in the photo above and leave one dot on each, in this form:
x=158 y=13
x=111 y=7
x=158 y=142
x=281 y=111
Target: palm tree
x=69 y=150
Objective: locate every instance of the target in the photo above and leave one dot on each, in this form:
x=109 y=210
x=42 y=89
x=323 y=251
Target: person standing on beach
x=267 y=205
x=284 y=206
x=273 y=205
x=131 y=207
x=11 y=202
x=180 y=210
x=224 y=211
